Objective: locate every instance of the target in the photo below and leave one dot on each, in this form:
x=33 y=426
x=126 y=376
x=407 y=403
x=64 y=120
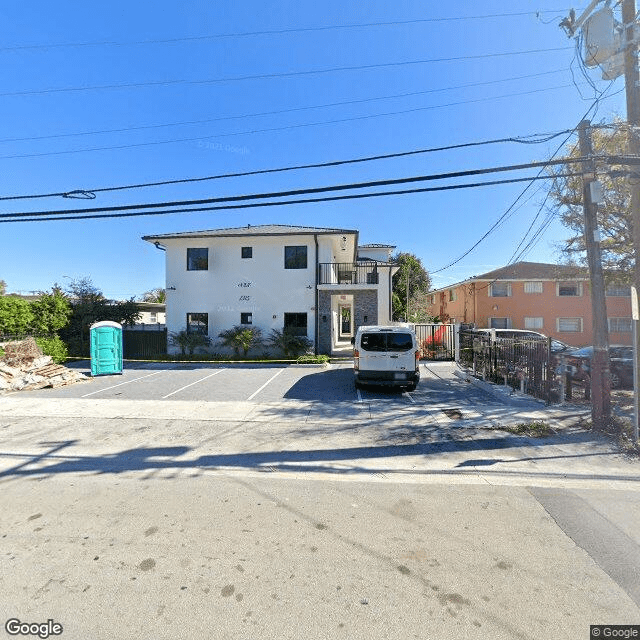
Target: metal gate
x=436 y=341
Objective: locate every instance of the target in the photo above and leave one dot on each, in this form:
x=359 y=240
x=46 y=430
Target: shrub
x=53 y=347
x=289 y=343
x=241 y=338
x=189 y=341
x=311 y=359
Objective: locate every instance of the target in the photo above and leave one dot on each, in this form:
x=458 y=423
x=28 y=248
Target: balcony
x=346 y=273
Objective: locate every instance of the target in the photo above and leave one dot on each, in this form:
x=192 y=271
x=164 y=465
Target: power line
x=530 y=139
x=269 y=32
x=354 y=196
x=279 y=111
x=503 y=217
x=269 y=76
x=274 y=129
x=311 y=190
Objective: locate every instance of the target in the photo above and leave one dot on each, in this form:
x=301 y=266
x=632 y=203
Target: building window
x=499 y=323
x=431 y=299
x=620 y=325
x=198 y=323
x=372 y=278
x=295 y=257
x=452 y=295
x=569 y=325
x=533 y=323
x=197 y=259
x=296 y=323
x=533 y=287
x=569 y=288
x=246 y=318
x=500 y=290
x=153 y=316
x=619 y=290
x=247 y=252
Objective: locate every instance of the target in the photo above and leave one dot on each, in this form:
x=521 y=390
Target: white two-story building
x=314 y=281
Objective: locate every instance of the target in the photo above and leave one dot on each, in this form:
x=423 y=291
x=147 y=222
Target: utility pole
x=631 y=79
x=600 y=382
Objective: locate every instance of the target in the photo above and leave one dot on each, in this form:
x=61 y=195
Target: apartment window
x=499 y=323
x=569 y=288
x=500 y=290
x=533 y=287
x=620 y=325
x=533 y=323
x=295 y=257
x=197 y=259
x=247 y=252
x=198 y=323
x=373 y=277
x=246 y=318
x=619 y=290
x=452 y=295
x=569 y=325
x=153 y=316
x=296 y=323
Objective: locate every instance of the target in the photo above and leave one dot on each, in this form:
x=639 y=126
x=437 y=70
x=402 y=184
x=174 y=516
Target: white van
x=386 y=356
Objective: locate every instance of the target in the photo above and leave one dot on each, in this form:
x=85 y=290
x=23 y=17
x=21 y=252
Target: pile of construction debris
x=24 y=367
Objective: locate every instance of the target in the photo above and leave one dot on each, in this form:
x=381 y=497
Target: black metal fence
x=525 y=364
x=144 y=344
x=436 y=341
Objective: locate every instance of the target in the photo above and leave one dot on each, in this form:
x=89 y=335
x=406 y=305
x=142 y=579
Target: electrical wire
x=312 y=190
x=269 y=32
x=269 y=76
x=529 y=139
x=277 y=112
x=274 y=129
x=46 y=218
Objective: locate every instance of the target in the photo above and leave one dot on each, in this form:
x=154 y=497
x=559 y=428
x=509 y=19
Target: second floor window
x=500 y=290
x=295 y=257
x=569 y=288
x=197 y=259
x=619 y=290
x=533 y=287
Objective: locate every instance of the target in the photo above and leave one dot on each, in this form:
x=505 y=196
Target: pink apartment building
x=549 y=298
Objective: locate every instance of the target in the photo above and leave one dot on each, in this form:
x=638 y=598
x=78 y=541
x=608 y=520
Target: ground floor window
x=198 y=323
x=569 y=325
x=499 y=323
x=246 y=318
x=620 y=325
x=296 y=323
x=533 y=323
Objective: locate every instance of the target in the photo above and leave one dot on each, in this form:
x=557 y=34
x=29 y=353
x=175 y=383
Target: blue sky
x=60 y=132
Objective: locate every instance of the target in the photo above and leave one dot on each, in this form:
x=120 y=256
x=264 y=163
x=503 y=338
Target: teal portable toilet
x=105 y=348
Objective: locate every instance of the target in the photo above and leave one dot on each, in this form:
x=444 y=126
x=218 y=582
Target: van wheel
x=411 y=387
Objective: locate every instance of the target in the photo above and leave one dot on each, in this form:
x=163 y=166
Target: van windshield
x=386 y=342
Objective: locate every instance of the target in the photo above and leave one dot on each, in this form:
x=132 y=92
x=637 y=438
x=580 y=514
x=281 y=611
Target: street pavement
x=313 y=511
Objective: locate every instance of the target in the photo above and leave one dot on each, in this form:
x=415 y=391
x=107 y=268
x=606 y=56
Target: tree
x=3 y=287
x=289 y=343
x=418 y=280
x=189 y=341
x=242 y=338
x=155 y=295
x=16 y=316
x=614 y=214
x=89 y=305
x=51 y=312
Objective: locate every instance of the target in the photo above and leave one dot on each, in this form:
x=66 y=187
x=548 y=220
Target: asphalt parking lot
x=262 y=384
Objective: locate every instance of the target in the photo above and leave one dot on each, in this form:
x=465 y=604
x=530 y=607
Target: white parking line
x=215 y=373
x=408 y=395
x=359 y=395
x=255 y=393
x=86 y=395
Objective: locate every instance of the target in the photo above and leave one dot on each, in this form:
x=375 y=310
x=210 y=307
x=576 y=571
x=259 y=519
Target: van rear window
x=386 y=342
